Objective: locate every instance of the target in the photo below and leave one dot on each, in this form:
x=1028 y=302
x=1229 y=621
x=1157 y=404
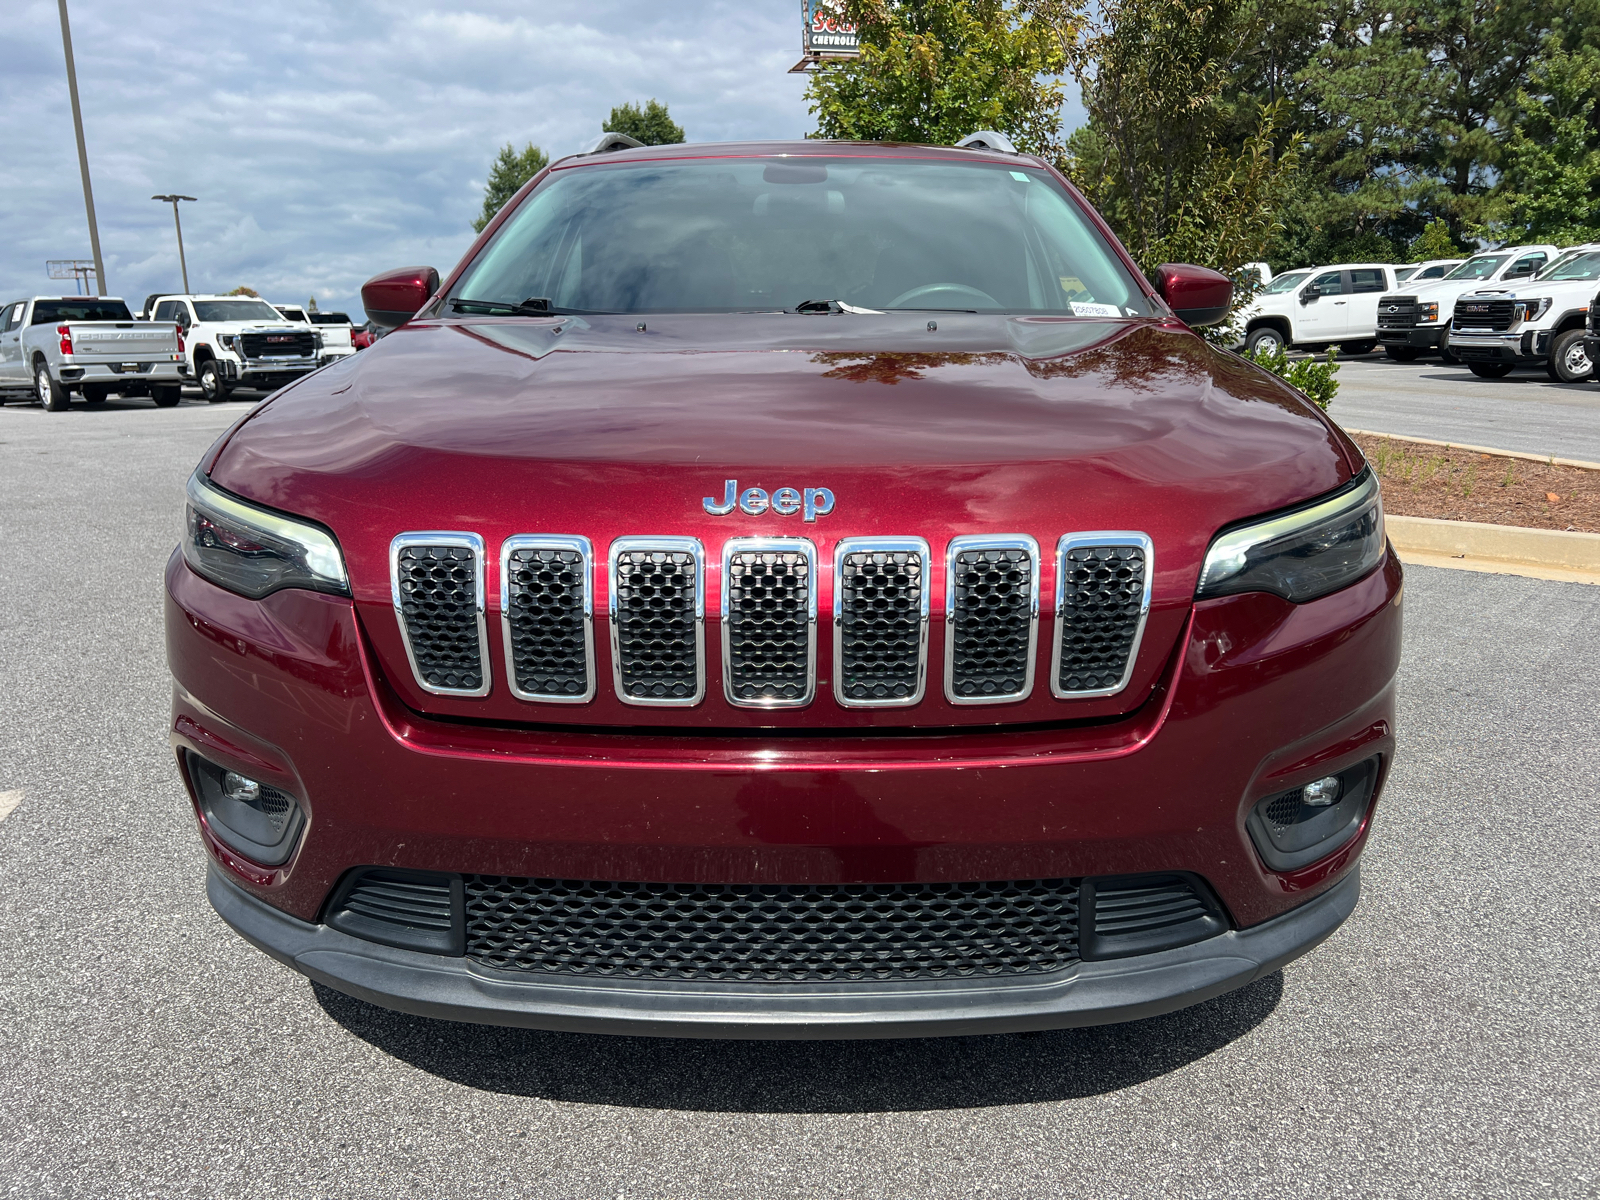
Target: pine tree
x=509 y=172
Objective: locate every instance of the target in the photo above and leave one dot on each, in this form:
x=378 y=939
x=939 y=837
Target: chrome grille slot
x=991 y=618
x=1102 y=601
x=547 y=617
x=880 y=621
x=657 y=611
x=436 y=581
x=769 y=622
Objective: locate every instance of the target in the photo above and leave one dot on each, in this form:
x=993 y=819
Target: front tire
x=1569 y=358
x=1402 y=353
x=166 y=395
x=212 y=385
x=1445 y=353
x=1266 y=338
x=1490 y=370
x=52 y=395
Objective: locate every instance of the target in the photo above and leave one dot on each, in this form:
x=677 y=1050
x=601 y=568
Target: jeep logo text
x=786 y=501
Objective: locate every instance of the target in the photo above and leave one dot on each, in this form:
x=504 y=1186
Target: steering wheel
x=929 y=289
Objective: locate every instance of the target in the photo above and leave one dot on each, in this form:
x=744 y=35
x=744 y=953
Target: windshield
x=334 y=318
x=1284 y=283
x=766 y=234
x=235 y=310
x=1579 y=265
x=90 y=308
x=1480 y=267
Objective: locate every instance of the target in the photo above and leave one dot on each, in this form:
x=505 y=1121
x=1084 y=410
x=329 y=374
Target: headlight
x=229 y=342
x=255 y=551
x=1428 y=312
x=1532 y=310
x=1303 y=554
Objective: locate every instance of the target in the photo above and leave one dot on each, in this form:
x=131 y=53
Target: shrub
x=1312 y=376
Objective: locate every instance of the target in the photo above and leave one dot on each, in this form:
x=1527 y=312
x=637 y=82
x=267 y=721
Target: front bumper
x=1423 y=337
x=1516 y=347
x=1090 y=993
x=266 y=373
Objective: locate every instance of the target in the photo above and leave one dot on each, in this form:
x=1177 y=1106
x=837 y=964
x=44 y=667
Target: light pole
x=178 y=225
x=83 y=153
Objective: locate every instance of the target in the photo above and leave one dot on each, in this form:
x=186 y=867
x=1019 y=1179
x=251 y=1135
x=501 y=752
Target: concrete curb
x=1538 y=458
x=1501 y=549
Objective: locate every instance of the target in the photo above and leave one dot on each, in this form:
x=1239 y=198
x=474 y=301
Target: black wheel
x=212 y=385
x=1445 y=352
x=1357 y=347
x=1402 y=353
x=1490 y=370
x=95 y=393
x=1569 y=358
x=51 y=394
x=166 y=395
x=1267 y=337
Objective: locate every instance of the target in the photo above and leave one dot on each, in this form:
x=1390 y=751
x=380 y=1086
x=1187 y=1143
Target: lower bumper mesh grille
x=772 y=933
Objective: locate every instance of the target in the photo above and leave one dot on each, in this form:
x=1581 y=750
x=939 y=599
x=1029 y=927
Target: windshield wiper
x=534 y=306
x=833 y=306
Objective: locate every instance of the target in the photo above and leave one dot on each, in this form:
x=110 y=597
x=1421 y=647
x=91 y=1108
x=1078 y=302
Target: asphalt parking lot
x=1443 y=1043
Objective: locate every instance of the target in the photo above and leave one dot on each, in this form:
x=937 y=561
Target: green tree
x=933 y=71
x=1435 y=242
x=649 y=124
x=509 y=172
x=241 y=290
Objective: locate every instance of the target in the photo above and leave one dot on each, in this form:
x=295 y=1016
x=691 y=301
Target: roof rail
x=987 y=139
x=607 y=142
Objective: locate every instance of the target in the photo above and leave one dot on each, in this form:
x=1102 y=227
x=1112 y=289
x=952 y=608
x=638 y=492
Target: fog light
x=1319 y=794
x=258 y=820
x=248 y=791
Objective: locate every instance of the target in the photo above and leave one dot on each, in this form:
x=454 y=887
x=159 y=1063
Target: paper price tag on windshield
x=1080 y=309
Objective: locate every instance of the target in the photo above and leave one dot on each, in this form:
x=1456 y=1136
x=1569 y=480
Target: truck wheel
x=1445 y=352
x=1357 y=347
x=166 y=395
x=51 y=394
x=1490 y=370
x=95 y=393
x=1402 y=353
x=212 y=385
x=1266 y=338
x=1569 y=358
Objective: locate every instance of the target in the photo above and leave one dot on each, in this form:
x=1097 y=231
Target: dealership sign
x=828 y=32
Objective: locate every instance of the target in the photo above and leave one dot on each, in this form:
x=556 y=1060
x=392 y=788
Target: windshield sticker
x=1095 y=310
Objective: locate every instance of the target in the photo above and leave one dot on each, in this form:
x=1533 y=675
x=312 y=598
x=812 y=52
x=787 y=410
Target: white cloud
x=330 y=141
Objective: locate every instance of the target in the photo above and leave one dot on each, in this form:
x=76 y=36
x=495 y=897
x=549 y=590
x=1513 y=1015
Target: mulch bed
x=1462 y=485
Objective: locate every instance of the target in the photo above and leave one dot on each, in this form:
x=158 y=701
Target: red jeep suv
x=814 y=589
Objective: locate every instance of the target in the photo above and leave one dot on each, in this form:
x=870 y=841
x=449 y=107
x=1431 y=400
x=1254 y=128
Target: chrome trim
x=675 y=544
x=891 y=544
x=1073 y=541
x=548 y=541
x=467 y=541
x=802 y=546
x=1003 y=541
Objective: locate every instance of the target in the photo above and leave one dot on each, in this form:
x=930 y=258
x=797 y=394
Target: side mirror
x=394 y=297
x=1196 y=295
x=1309 y=293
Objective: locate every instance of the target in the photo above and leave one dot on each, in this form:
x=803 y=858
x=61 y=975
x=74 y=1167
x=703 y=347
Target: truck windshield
x=1585 y=264
x=90 y=308
x=769 y=234
x=1480 y=267
x=235 y=310
x=1284 y=282
x=330 y=318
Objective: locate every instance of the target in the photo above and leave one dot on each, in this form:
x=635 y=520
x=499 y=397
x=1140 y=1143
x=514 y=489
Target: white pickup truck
x=238 y=342
x=1540 y=322
x=1324 y=305
x=51 y=346
x=1416 y=318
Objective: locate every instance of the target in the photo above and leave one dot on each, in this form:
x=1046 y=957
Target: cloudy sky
x=326 y=142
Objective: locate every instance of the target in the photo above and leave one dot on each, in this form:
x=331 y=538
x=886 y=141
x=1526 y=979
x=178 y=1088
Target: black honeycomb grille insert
x=1102 y=605
x=880 y=625
x=655 y=626
x=439 y=603
x=772 y=933
x=769 y=628
x=990 y=617
x=548 y=625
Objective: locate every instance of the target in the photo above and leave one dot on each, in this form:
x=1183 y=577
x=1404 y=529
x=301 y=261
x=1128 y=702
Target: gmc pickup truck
x=51 y=346
x=237 y=341
x=1540 y=323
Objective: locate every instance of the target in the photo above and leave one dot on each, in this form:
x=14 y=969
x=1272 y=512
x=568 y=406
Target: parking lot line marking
x=9 y=802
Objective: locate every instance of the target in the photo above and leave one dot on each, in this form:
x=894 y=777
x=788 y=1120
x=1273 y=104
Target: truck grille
x=1102 y=600
x=437 y=584
x=991 y=619
x=658 y=620
x=880 y=621
x=547 y=618
x=1483 y=314
x=272 y=345
x=769 y=622
x=1397 y=312
x=772 y=933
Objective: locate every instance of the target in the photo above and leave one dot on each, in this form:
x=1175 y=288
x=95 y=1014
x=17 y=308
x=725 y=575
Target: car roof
x=812 y=147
